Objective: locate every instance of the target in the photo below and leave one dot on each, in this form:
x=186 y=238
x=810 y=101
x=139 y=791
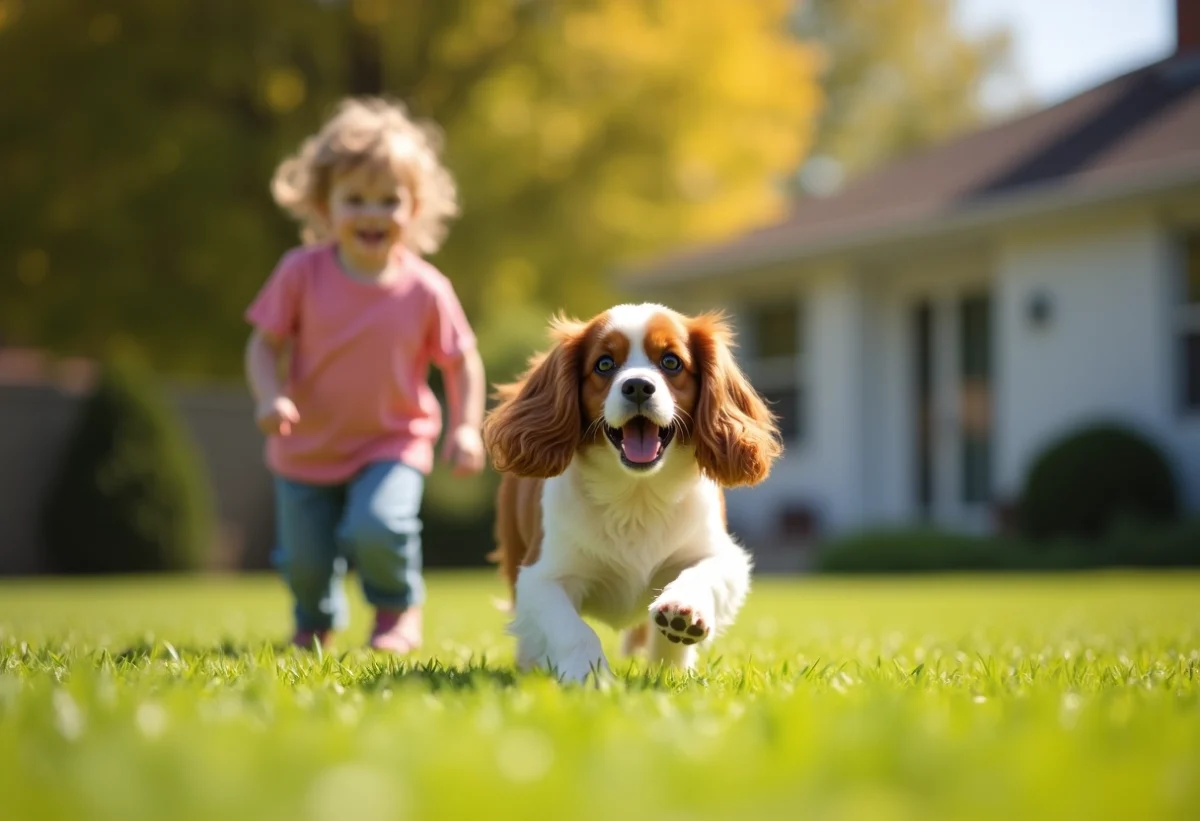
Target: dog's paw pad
x=680 y=624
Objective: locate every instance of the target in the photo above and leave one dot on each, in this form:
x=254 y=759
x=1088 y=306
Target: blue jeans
x=372 y=521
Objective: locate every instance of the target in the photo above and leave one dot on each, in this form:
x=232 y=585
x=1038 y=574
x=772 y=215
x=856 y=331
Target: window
x=975 y=375
x=777 y=332
x=1189 y=326
x=772 y=340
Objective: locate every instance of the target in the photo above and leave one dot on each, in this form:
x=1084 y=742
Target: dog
x=614 y=449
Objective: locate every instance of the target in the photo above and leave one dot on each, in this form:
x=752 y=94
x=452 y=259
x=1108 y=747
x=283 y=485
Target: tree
x=133 y=150
x=138 y=147
x=898 y=75
x=130 y=494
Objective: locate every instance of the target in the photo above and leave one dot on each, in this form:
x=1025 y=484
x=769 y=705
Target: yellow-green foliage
x=137 y=149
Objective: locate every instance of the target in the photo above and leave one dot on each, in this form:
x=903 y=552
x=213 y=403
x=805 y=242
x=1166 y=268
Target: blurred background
x=957 y=239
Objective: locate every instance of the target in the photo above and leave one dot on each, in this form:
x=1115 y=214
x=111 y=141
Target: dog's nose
x=637 y=389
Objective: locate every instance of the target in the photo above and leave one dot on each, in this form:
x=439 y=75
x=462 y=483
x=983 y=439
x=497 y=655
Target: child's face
x=369 y=207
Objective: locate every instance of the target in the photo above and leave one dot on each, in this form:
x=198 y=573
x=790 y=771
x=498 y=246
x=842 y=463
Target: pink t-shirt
x=360 y=360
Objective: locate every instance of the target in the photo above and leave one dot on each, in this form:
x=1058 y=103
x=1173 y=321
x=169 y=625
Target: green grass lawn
x=949 y=697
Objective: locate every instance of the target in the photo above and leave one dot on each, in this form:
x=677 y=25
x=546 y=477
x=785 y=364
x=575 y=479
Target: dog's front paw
x=580 y=663
x=583 y=670
x=680 y=622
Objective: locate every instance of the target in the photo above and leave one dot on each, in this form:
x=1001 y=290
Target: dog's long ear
x=734 y=433
x=537 y=426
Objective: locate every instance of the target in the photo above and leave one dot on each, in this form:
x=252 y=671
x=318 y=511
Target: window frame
x=786 y=373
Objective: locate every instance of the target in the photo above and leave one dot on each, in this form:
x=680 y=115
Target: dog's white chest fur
x=620 y=538
x=614 y=550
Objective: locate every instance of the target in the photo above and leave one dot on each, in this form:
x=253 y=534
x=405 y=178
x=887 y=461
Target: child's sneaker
x=397 y=631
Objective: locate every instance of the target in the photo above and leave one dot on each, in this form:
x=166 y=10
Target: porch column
x=837 y=318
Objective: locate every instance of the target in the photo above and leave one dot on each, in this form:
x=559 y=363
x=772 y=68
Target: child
x=354 y=317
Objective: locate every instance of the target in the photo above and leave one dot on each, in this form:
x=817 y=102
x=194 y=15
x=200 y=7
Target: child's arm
x=466 y=388
x=274 y=412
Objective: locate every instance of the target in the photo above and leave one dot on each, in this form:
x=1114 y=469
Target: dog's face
x=640 y=381
x=639 y=385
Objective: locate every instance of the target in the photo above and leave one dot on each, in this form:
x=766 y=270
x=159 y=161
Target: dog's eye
x=605 y=364
x=671 y=362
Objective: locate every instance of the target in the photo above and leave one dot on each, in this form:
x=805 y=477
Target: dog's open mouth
x=640 y=442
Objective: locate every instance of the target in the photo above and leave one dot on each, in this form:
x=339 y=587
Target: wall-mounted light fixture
x=1039 y=309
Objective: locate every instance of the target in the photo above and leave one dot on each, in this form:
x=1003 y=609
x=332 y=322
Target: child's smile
x=372 y=242
x=369 y=237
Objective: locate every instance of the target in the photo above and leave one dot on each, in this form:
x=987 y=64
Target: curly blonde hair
x=365 y=129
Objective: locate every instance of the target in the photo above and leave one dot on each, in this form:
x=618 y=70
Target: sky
x=1062 y=47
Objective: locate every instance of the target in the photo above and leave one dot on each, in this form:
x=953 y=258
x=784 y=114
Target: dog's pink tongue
x=640 y=441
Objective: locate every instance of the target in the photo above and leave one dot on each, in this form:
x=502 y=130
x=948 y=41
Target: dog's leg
x=550 y=631
x=635 y=639
x=670 y=653
x=700 y=602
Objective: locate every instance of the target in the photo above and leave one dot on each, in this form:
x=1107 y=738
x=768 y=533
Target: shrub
x=1084 y=483
x=915 y=550
x=130 y=494
x=1128 y=544
x=1134 y=544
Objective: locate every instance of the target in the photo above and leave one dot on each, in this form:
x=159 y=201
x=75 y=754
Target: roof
x=1141 y=129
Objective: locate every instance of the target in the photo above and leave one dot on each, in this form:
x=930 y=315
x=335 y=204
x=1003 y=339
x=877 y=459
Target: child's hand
x=464 y=450
x=276 y=416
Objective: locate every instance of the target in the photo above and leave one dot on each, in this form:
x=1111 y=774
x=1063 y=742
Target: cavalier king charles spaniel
x=614 y=449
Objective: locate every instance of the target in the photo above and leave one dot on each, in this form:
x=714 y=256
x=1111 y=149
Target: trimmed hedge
x=1127 y=544
x=130 y=494
x=908 y=551
x=1088 y=480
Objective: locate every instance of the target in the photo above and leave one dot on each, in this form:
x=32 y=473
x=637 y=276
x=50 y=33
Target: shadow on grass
x=370 y=671
x=358 y=669
x=143 y=651
x=434 y=676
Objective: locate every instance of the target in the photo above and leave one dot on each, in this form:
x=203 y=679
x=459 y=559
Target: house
x=925 y=332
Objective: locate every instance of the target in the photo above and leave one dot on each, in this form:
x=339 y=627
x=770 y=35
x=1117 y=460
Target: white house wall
x=1105 y=353
x=826 y=469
